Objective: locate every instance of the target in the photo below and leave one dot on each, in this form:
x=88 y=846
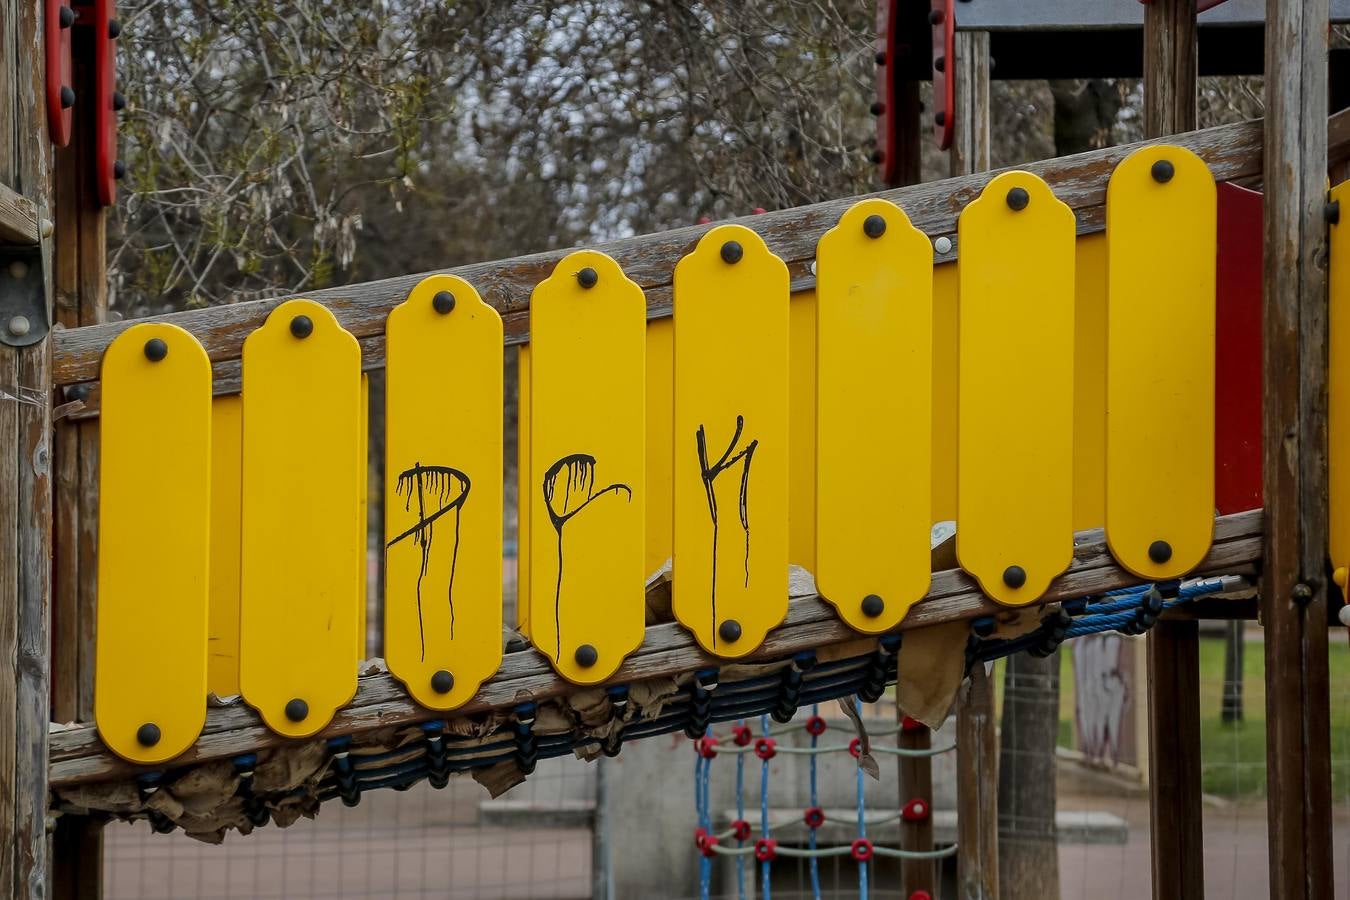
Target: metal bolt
x=730 y=631
x=443 y=302
x=18 y=270
x=1333 y=212
x=302 y=326
x=873 y=606
x=877 y=107
x=114 y=28
x=943 y=245
x=119 y=170
x=935 y=17
x=1018 y=198
x=1162 y=171
x=19 y=326
x=878 y=157
x=67 y=96
x=874 y=226
x=732 y=252
x=66 y=16
x=442 y=682
x=940 y=63
x=148 y=734
x=78 y=392
x=297 y=710
x=940 y=117
x=1160 y=552
x=1302 y=593
x=881 y=57
x=586 y=656
x=47 y=226
x=156 y=349
x=1014 y=576
x=588 y=278
x=119 y=101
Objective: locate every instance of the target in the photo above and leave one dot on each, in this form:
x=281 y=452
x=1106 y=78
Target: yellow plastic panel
x=587 y=466
x=523 y=492
x=443 y=490
x=660 y=443
x=731 y=434
x=874 y=274
x=1014 y=528
x=1338 y=386
x=227 y=433
x=154 y=543
x=301 y=548
x=1161 y=230
x=802 y=430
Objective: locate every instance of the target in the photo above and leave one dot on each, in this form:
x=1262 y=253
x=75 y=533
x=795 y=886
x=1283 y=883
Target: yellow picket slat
x=802 y=430
x=587 y=467
x=301 y=549
x=1016 y=361
x=443 y=487
x=1338 y=387
x=731 y=441
x=874 y=276
x=154 y=543
x=227 y=434
x=1161 y=232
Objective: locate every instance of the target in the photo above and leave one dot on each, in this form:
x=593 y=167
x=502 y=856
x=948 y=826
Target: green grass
x=1233 y=756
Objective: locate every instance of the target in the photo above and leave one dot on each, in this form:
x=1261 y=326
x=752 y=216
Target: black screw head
x=1302 y=593
x=1160 y=552
x=148 y=734
x=730 y=631
x=940 y=63
x=877 y=107
x=67 y=96
x=119 y=101
x=940 y=117
x=443 y=302
x=1014 y=576
x=442 y=682
x=302 y=326
x=588 y=278
x=873 y=606
x=881 y=57
x=878 y=157
x=114 y=29
x=874 y=226
x=1018 y=198
x=586 y=656
x=1333 y=212
x=935 y=17
x=66 y=16
x=156 y=349
x=297 y=710
x=119 y=170
x=732 y=252
x=1162 y=171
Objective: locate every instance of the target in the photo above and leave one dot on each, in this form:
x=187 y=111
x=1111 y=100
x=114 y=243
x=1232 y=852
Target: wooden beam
x=1232 y=152
x=78 y=756
x=19 y=221
x=1173 y=647
x=1294 y=577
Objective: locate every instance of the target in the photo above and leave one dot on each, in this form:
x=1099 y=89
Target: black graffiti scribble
x=442 y=482
x=709 y=475
x=579 y=481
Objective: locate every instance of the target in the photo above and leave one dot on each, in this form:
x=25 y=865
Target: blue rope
x=740 y=815
x=764 y=807
x=815 y=801
x=702 y=768
x=862 y=821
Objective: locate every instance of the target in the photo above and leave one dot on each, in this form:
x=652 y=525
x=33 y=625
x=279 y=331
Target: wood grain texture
x=18 y=219
x=78 y=756
x=1294 y=583
x=1231 y=151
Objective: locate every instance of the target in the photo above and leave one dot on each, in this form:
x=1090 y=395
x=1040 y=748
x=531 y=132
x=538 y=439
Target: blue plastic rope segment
x=764 y=807
x=740 y=816
x=813 y=865
x=862 y=820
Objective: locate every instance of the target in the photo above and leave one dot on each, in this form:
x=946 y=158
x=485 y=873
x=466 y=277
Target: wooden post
x=81 y=289
x=1294 y=580
x=25 y=485
x=976 y=742
x=1170 y=75
x=916 y=787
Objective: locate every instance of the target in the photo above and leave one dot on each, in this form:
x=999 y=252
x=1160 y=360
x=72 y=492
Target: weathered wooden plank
x=19 y=222
x=78 y=756
x=1231 y=151
x=1293 y=590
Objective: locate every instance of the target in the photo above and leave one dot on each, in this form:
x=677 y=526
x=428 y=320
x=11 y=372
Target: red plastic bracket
x=740 y=829
x=815 y=726
x=706 y=747
x=912 y=725
x=942 y=16
x=58 y=23
x=861 y=850
x=108 y=169
x=814 y=817
x=766 y=748
x=766 y=849
x=915 y=810
x=741 y=735
x=855 y=748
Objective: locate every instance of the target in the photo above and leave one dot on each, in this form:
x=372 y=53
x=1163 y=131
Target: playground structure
x=660 y=446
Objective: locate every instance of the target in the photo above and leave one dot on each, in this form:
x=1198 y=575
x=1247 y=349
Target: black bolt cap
x=874 y=226
x=442 y=682
x=881 y=57
x=302 y=326
x=588 y=277
x=878 y=157
x=114 y=29
x=1018 y=198
x=156 y=349
x=148 y=734
x=732 y=252
x=935 y=17
x=940 y=63
x=1160 y=552
x=1014 y=576
x=730 y=631
x=66 y=16
x=877 y=107
x=297 y=710
x=119 y=101
x=119 y=170
x=67 y=96
x=940 y=117
x=1333 y=212
x=873 y=606
x=443 y=302
x=586 y=656
x=1162 y=171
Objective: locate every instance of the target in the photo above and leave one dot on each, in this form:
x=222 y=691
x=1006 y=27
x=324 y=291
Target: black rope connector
x=1050 y=634
x=349 y=789
x=880 y=668
x=790 y=686
x=438 y=766
x=700 y=702
x=527 y=746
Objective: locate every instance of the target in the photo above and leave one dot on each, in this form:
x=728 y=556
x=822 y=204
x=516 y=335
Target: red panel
x=105 y=116
x=943 y=19
x=887 y=127
x=1237 y=387
x=57 y=25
